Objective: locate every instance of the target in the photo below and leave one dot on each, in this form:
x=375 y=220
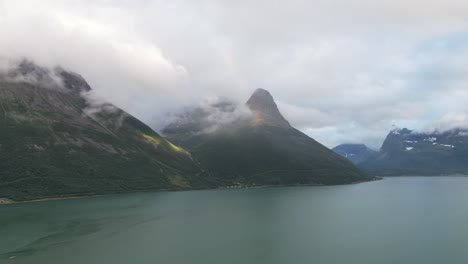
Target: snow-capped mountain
x=407 y=152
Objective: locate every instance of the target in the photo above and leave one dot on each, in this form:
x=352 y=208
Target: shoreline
x=7 y=201
x=443 y=175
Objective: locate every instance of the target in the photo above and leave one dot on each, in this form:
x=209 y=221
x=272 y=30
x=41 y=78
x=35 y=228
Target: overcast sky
x=342 y=71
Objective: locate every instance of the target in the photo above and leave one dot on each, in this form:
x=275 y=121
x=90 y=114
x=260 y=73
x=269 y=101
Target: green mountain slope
x=259 y=149
x=53 y=143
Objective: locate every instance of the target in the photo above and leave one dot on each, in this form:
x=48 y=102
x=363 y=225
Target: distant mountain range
x=405 y=152
x=356 y=153
x=257 y=148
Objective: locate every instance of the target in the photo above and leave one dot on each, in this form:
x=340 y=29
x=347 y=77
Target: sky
x=341 y=71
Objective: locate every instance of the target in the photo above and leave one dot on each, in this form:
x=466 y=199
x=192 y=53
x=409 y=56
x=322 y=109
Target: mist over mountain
x=55 y=142
x=265 y=111
x=59 y=139
x=350 y=81
x=259 y=149
x=407 y=152
x=357 y=153
x=205 y=118
x=233 y=131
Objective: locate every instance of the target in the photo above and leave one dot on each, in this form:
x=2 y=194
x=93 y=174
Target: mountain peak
x=398 y=131
x=357 y=153
x=265 y=110
x=27 y=71
x=262 y=92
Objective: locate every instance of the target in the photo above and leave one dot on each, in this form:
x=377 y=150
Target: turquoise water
x=396 y=220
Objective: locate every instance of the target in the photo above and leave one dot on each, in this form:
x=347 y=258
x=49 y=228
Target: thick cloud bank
x=341 y=71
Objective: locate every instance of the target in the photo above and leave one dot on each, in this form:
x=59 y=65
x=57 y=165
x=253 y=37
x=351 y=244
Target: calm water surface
x=397 y=220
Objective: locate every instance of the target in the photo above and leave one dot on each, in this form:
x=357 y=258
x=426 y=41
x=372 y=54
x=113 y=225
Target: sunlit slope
x=51 y=146
x=263 y=149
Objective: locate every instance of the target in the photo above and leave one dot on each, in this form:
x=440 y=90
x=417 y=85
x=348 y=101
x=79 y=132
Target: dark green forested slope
x=53 y=143
x=260 y=149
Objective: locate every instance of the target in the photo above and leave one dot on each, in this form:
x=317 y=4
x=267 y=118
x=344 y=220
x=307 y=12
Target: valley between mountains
x=55 y=143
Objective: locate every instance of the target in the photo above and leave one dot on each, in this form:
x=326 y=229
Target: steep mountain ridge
x=406 y=152
x=265 y=111
x=51 y=145
x=262 y=149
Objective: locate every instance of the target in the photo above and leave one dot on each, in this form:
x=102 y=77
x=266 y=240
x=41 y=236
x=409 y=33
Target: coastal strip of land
x=6 y=201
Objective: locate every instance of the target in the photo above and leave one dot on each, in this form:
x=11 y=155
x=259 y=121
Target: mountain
x=356 y=153
x=265 y=111
x=54 y=142
x=255 y=145
x=406 y=152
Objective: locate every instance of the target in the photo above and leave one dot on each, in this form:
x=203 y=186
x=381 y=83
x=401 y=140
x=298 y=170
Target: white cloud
x=342 y=70
x=450 y=121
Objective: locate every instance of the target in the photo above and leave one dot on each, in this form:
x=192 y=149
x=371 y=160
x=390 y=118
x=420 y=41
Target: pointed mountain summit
x=260 y=149
x=265 y=111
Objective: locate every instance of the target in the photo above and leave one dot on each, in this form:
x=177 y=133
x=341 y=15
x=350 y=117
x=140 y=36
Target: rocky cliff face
x=406 y=152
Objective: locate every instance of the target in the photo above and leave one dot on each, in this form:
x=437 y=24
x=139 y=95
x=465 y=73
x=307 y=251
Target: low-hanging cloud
x=207 y=117
x=342 y=71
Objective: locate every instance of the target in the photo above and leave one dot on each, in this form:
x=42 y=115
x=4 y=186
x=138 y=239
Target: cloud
x=342 y=71
x=207 y=117
x=450 y=121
